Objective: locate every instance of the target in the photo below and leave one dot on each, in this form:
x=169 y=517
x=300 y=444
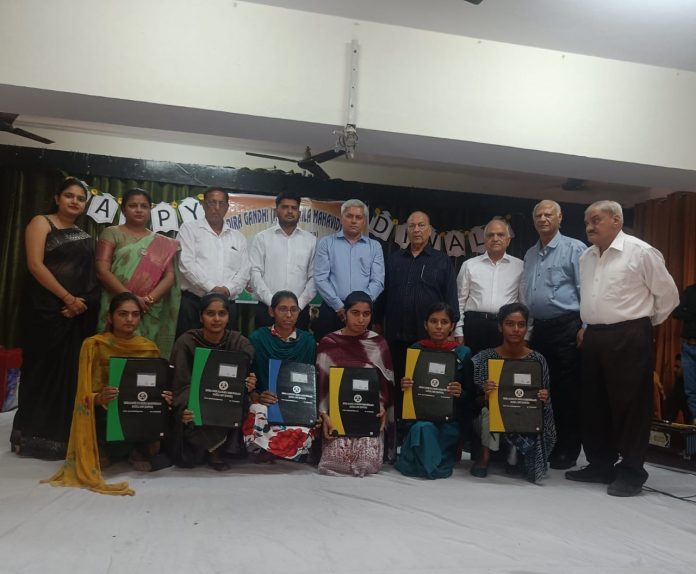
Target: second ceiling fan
x=309 y=162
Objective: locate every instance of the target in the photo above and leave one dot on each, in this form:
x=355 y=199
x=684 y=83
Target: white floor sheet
x=286 y=518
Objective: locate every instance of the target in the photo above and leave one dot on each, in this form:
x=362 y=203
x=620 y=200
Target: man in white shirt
x=625 y=289
x=282 y=259
x=484 y=284
x=214 y=258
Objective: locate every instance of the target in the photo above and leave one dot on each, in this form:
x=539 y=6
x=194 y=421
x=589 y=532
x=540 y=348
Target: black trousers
x=263 y=319
x=556 y=340
x=190 y=313
x=327 y=322
x=617 y=396
x=481 y=331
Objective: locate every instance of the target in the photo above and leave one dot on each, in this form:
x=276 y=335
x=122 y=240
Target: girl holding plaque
x=354 y=346
x=132 y=258
x=429 y=449
x=191 y=445
x=58 y=311
x=282 y=341
x=87 y=452
x=534 y=449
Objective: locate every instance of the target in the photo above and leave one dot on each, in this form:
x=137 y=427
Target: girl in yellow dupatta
x=82 y=468
x=132 y=258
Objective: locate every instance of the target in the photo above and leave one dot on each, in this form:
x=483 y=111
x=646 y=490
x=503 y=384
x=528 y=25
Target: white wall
x=270 y=62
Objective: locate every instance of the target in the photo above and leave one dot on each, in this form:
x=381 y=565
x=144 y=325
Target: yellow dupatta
x=81 y=467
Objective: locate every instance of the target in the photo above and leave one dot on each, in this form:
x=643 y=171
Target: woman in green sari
x=132 y=258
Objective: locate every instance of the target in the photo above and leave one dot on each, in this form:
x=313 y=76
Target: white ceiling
x=655 y=32
x=659 y=32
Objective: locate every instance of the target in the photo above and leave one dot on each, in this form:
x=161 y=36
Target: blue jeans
x=688 y=359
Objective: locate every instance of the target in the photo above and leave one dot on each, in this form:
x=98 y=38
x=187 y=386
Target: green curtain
x=26 y=193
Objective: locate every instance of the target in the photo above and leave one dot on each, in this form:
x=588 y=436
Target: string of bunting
x=454 y=242
x=167 y=216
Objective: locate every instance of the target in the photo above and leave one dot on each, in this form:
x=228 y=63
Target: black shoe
x=562 y=462
x=513 y=469
x=621 y=487
x=597 y=474
x=479 y=471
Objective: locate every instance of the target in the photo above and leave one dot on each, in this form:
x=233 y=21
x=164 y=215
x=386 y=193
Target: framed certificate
x=139 y=414
x=514 y=406
x=216 y=396
x=428 y=399
x=295 y=385
x=354 y=401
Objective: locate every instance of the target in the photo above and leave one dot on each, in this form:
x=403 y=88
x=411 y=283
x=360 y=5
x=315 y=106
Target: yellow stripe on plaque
x=495 y=369
x=335 y=378
x=408 y=410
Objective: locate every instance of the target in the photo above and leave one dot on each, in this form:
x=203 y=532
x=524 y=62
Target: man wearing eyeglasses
x=485 y=283
x=213 y=258
x=416 y=278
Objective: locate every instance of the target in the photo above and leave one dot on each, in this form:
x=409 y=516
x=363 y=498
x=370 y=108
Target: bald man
x=416 y=278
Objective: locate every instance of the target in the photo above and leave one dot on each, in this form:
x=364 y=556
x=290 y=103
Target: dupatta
x=268 y=346
x=81 y=467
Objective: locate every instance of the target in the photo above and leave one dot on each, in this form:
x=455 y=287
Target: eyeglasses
x=287 y=310
x=420 y=225
x=213 y=203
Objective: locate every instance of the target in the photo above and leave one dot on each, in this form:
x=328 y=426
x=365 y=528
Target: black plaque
x=514 y=406
x=428 y=399
x=295 y=386
x=139 y=414
x=354 y=401
x=216 y=397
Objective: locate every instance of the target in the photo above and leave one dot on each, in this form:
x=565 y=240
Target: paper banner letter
x=164 y=218
x=381 y=225
x=401 y=236
x=102 y=208
x=435 y=239
x=190 y=209
x=476 y=240
x=455 y=244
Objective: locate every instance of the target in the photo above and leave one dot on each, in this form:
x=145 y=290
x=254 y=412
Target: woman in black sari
x=59 y=310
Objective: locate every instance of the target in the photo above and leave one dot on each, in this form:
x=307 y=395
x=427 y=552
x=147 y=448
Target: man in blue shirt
x=344 y=262
x=551 y=290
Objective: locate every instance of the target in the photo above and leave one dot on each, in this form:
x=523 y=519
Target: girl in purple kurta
x=354 y=346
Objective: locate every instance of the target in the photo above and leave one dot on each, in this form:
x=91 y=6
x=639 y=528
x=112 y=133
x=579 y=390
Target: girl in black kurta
x=59 y=311
x=190 y=444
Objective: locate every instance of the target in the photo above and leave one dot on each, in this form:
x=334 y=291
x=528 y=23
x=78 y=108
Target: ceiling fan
x=6 y=125
x=573 y=184
x=309 y=162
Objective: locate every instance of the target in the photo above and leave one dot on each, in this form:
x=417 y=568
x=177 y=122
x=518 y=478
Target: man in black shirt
x=415 y=279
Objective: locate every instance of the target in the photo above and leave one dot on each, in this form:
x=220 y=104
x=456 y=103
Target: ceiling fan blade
x=8 y=118
x=315 y=169
x=271 y=156
x=31 y=136
x=326 y=155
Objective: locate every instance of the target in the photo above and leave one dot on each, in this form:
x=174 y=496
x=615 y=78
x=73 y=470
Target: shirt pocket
x=233 y=258
x=430 y=277
x=618 y=281
x=555 y=277
x=365 y=264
